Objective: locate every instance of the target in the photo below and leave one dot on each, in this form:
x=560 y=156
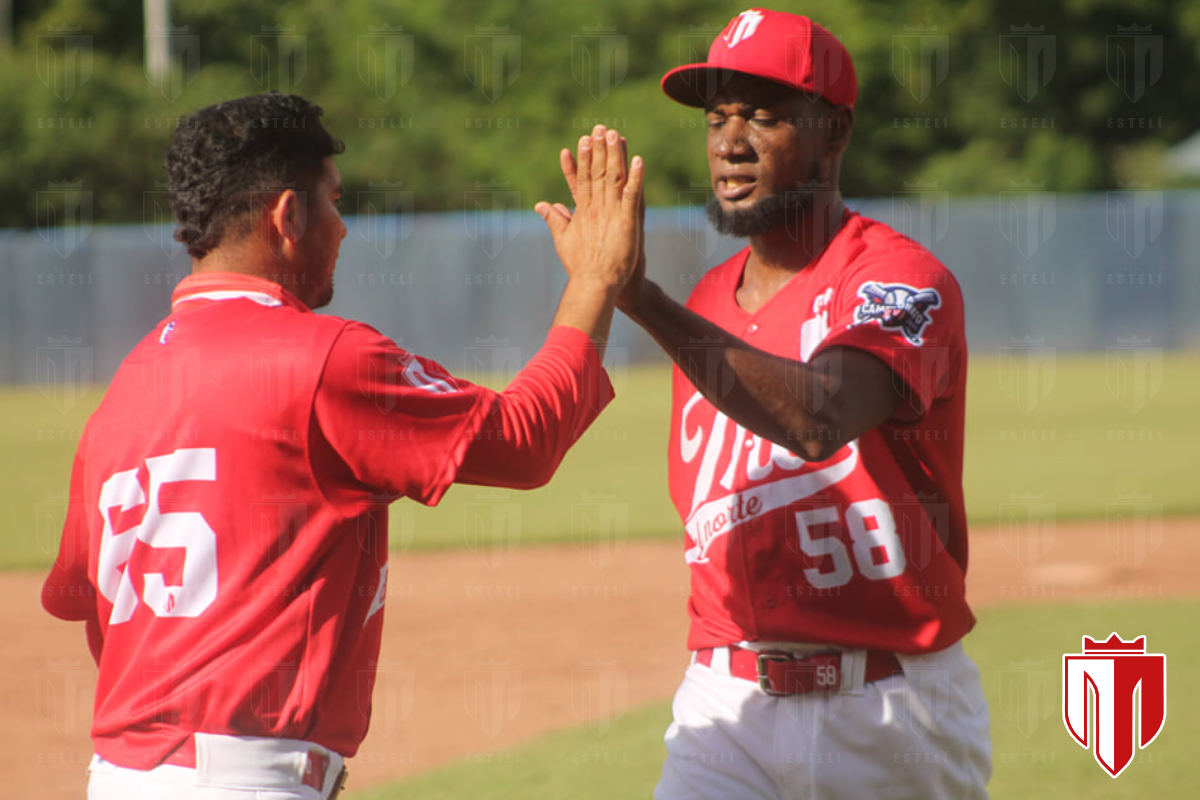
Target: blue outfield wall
x=476 y=290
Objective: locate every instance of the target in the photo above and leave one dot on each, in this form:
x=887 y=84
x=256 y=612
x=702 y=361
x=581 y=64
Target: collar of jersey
x=215 y=286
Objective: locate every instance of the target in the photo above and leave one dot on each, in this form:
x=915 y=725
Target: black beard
x=768 y=214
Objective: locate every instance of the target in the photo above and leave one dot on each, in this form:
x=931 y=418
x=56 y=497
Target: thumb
x=555 y=221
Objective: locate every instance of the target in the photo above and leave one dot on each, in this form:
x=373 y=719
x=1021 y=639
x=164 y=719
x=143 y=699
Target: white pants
x=228 y=768
x=921 y=735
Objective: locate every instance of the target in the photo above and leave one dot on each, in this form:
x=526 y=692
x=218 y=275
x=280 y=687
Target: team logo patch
x=897 y=306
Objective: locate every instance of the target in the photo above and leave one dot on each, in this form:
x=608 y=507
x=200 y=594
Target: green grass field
x=1019 y=652
x=1091 y=435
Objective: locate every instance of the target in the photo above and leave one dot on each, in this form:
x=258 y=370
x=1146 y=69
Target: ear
x=286 y=216
x=841 y=125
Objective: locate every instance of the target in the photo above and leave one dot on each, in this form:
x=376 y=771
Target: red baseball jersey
x=226 y=540
x=869 y=547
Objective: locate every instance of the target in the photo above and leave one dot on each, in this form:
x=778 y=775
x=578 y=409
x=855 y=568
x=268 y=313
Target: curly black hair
x=226 y=160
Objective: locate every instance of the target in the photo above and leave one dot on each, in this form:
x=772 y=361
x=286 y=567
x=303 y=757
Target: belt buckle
x=828 y=686
x=764 y=680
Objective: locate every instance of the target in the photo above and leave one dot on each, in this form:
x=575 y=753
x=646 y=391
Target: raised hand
x=599 y=244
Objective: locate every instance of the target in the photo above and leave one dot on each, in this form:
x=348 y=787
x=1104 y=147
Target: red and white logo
x=1123 y=684
x=742 y=27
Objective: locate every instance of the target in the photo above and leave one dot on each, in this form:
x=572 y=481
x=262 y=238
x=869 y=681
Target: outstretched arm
x=811 y=409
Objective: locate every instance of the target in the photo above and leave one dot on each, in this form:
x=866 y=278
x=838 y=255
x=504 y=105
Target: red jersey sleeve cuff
x=584 y=353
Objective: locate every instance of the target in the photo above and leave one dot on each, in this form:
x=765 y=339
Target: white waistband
x=241 y=762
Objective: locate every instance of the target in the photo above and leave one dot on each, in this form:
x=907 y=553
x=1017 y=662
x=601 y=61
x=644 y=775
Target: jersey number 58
x=871 y=527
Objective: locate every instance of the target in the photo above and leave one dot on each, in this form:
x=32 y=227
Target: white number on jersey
x=186 y=530
x=865 y=536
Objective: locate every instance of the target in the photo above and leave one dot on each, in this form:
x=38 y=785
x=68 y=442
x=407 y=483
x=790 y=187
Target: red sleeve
x=399 y=422
x=67 y=592
x=545 y=409
x=908 y=313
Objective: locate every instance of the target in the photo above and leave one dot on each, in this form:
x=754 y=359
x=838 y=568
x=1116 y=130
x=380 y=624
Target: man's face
x=765 y=145
x=319 y=245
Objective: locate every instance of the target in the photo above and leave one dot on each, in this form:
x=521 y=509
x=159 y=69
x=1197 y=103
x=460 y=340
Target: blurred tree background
x=447 y=96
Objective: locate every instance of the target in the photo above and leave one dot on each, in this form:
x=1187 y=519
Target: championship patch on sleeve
x=897 y=306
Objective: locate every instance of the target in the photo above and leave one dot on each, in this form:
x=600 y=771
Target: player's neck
x=791 y=247
x=246 y=259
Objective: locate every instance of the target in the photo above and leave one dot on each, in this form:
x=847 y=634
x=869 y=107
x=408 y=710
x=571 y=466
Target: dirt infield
x=482 y=652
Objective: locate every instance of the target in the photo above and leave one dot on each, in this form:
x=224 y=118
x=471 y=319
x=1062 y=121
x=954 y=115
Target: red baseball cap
x=785 y=48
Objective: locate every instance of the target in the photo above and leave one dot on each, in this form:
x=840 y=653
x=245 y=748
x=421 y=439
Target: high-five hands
x=600 y=242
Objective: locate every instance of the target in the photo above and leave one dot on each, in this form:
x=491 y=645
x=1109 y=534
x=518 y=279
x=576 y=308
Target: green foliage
x=455 y=121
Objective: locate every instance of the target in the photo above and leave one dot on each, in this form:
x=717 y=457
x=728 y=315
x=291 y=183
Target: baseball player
x=815 y=458
x=226 y=539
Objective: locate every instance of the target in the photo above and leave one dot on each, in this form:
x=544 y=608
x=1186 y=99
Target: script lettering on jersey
x=708 y=519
